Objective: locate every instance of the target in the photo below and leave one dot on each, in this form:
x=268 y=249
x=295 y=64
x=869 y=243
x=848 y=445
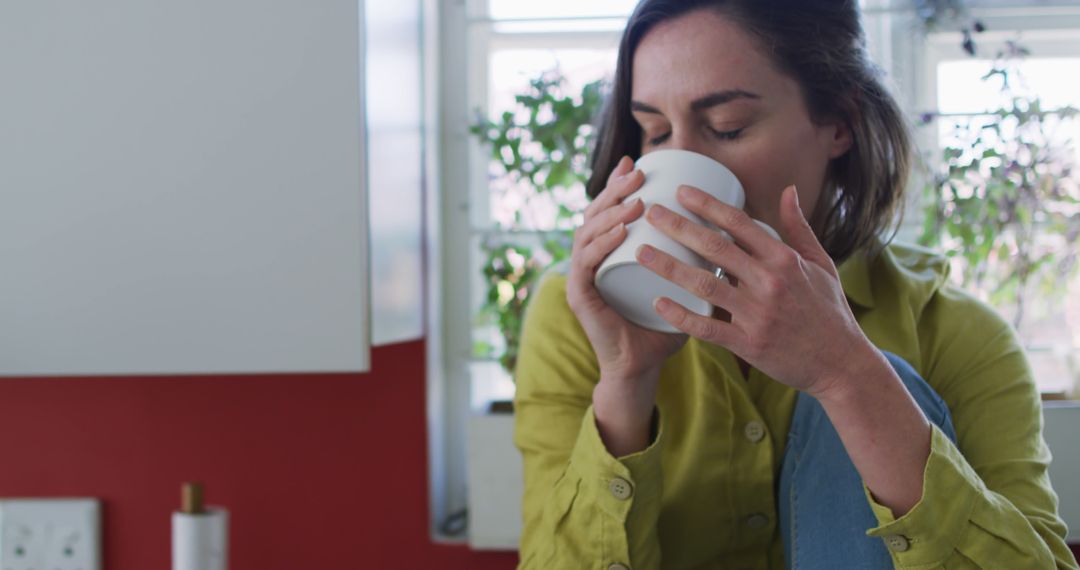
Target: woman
x=843 y=407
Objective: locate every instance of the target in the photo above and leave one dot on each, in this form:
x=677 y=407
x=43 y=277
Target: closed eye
x=660 y=139
x=722 y=135
x=726 y=135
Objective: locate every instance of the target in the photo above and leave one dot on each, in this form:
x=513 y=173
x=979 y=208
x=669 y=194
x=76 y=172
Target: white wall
x=181 y=187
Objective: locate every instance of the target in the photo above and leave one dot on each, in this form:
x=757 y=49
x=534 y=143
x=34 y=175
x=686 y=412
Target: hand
x=629 y=356
x=789 y=316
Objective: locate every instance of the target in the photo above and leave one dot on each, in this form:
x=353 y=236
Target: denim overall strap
x=824 y=514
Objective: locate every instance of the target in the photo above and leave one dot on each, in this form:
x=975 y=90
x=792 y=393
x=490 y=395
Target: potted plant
x=539 y=149
x=1004 y=203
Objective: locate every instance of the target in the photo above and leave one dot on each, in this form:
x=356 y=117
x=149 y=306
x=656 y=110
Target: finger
x=581 y=287
x=703 y=284
x=732 y=220
x=797 y=231
x=590 y=256
x=707 y=243
x=602 y=222
x=708 y=329
x=619 y=188
x=624 y=166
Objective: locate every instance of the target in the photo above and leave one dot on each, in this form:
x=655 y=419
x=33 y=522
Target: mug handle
x=768 y=229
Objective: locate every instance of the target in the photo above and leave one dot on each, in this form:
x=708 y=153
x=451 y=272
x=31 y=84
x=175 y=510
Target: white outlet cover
x=53 y=534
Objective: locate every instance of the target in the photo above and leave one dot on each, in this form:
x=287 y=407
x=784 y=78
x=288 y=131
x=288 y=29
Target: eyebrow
x=710 y=100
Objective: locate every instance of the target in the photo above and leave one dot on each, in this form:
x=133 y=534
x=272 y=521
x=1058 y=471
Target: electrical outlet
x=50 y=534
x=21 y=547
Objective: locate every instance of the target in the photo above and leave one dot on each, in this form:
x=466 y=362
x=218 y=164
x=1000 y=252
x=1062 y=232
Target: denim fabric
x=824 y=514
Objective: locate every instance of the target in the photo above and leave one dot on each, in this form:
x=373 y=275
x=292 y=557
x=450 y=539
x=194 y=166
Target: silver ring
x=720 y=274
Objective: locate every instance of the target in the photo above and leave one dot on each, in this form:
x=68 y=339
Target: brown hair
x=820 y=44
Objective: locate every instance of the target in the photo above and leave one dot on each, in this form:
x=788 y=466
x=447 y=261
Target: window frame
x=1044 y=42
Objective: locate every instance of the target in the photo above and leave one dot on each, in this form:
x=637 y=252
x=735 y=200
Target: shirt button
x=621 y=489
x=754 y=431
x=757 y=521
x=897 y=543
x=617 y=566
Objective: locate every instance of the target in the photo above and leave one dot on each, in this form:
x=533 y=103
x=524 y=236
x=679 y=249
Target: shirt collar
x=855 y=279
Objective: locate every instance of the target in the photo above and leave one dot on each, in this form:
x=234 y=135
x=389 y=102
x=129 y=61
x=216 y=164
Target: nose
x=685 y=138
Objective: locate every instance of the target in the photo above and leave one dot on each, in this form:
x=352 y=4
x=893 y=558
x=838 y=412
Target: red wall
x=318 y=471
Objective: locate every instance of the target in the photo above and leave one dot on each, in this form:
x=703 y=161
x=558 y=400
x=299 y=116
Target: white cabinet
x=395 y=169
x=181 y=188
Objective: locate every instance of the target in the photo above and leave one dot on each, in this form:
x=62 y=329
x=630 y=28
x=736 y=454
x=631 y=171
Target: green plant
x=933 y=13
x=538 y=149
x=1005 y=204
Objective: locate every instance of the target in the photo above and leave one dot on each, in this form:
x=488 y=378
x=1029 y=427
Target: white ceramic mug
x=630 y=288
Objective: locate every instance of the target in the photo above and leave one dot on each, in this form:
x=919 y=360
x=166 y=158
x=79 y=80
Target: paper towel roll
x=200 y=542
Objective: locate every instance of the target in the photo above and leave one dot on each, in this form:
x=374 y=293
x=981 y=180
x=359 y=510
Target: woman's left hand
x=789 y=315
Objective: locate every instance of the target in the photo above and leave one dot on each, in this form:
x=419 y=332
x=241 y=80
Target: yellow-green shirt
x=684 y=502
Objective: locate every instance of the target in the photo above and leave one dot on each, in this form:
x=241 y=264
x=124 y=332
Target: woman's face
x=701 y=83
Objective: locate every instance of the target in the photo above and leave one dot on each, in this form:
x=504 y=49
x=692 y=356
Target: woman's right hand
x=629 y=356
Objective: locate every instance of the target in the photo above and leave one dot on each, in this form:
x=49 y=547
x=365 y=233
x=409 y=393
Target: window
x=954 y=85
x=487 y=53
x=581 y=48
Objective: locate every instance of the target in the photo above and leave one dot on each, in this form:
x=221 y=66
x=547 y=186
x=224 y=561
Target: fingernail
x=657 y=212
x=795 y=191
x=645 y=253
x=617 y=228
x=685 y=192
x=633 y=203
